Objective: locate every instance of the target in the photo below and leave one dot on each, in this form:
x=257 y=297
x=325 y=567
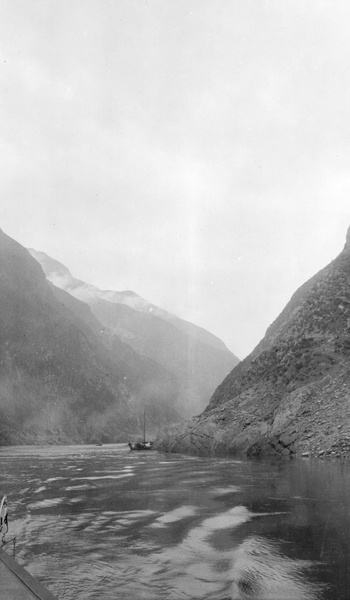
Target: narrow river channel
x=109 y=524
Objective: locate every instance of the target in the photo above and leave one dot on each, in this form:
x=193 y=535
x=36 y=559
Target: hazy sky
x=194 y=151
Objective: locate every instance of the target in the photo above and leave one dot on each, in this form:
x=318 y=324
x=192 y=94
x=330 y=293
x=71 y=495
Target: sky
x=196 y=152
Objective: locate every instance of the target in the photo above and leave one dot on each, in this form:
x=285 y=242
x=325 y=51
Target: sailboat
x=141 y=445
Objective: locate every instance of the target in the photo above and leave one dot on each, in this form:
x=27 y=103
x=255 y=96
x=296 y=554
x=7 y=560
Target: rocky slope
x=59 y=380
x=197 y=360
x=292 y=394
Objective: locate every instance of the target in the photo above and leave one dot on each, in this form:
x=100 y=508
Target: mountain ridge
x=277 y=400
x=197 y=359
x=59 y=380
x=61 y=276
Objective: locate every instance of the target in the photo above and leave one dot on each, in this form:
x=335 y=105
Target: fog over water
x=104 y=522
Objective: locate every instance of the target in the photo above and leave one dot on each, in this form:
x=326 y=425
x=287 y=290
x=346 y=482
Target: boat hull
x=140 y=446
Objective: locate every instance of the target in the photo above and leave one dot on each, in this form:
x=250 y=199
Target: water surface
x=109 y=524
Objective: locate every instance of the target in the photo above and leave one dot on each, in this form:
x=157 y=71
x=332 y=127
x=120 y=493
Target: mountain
x=291 y=395
x=197 y=360
x=63 y=378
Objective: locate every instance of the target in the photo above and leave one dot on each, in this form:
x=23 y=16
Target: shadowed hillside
x=59 y=380
x=292 y=394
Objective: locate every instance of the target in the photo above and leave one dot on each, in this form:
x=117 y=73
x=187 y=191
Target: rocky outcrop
x=292 y=394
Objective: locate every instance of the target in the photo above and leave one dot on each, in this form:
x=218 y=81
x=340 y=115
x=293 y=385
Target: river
x=109 y=524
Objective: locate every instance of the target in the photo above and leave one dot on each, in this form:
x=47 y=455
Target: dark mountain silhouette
x=62 y=377
x=197 y=360
x=292 y=394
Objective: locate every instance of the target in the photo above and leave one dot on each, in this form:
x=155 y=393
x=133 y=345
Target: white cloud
x=149 y=145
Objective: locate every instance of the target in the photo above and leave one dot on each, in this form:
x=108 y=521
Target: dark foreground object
x=140 y=446
x=17 y=583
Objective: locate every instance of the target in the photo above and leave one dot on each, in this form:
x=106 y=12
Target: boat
x=141 y=445
x=16 y=582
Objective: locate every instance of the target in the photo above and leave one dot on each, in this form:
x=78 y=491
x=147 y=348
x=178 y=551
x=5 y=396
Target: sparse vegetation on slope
x=291 y=395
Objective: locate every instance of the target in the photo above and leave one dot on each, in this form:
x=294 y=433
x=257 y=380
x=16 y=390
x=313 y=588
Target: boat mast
x=144 y=426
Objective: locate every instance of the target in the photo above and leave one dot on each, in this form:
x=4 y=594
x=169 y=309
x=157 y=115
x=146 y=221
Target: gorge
x=78 y=372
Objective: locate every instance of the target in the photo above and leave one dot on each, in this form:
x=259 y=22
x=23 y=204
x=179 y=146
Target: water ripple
x=109 y=524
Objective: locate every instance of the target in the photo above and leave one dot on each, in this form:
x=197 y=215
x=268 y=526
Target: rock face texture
x=195 y=359
x=291 y=395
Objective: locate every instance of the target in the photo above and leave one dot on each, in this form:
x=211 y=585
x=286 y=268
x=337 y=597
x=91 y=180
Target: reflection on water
x=107 y=523
x=260 y=571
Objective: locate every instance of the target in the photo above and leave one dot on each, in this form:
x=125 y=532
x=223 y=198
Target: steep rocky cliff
x=291 y=395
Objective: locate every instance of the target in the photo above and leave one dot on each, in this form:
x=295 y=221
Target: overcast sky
x=194 y=151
